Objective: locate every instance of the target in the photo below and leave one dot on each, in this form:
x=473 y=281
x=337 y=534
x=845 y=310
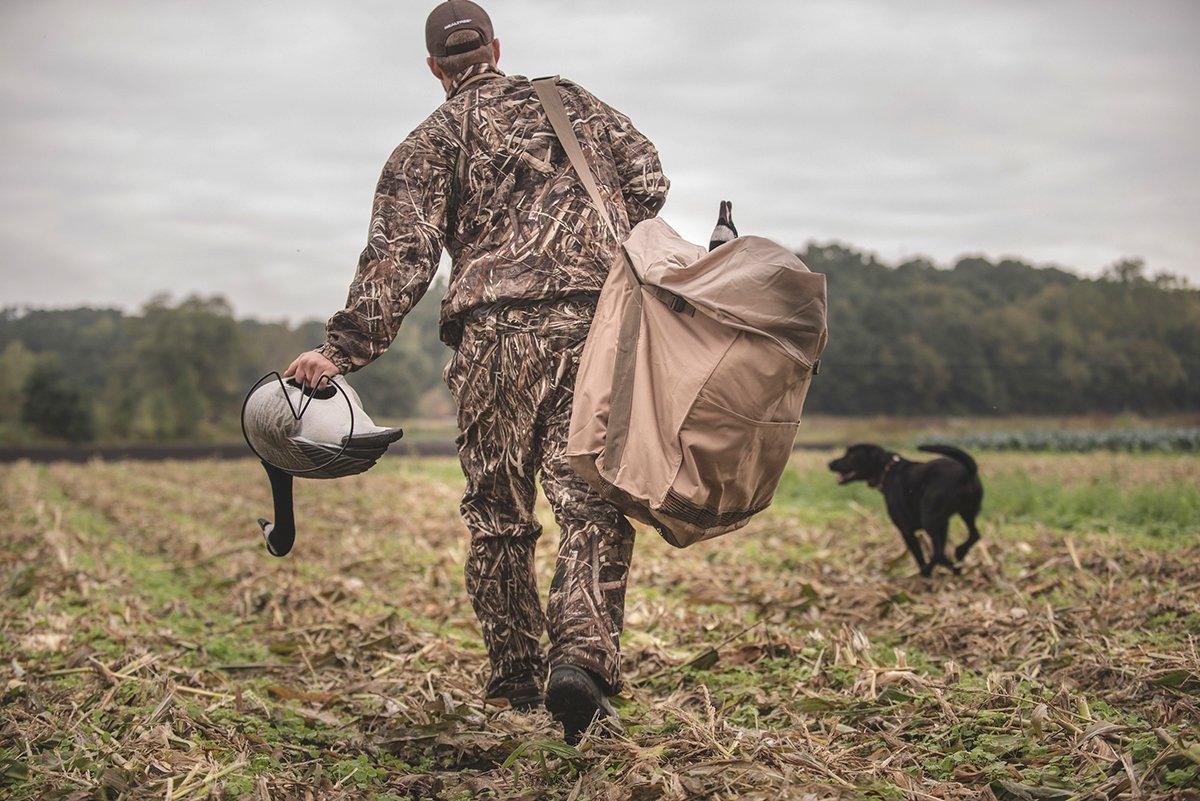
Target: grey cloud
x=233 y=147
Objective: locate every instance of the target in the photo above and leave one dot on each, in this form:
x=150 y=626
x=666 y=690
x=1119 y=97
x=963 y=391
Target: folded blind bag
x=694 y=373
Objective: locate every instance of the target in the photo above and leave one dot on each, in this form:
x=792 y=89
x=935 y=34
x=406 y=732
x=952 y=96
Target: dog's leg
x=914 y=547
x=938 y=529
x=960 y=552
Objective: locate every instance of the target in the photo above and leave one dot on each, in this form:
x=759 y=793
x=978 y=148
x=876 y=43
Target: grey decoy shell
x=311 y=433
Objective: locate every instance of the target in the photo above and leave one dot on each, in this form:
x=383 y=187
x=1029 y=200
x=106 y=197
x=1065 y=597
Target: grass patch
x=1142 y=496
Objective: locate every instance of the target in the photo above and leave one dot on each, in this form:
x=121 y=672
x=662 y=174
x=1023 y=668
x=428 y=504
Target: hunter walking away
x=485 y=178
x=591 y=488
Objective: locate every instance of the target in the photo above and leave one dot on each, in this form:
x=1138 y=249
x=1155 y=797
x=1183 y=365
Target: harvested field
x=150 y=648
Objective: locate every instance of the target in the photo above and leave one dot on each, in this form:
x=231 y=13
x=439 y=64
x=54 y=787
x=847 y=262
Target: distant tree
x=1170 y=281
x=178 y=374
x=84 y=341
x=54 y=406
x=1126 y=271
x=16 y=365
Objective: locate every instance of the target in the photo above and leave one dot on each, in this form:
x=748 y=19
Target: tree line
x=980 y=337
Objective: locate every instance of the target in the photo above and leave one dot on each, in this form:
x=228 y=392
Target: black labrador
x=920 y=495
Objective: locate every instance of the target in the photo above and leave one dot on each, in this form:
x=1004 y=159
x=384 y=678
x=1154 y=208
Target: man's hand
x=309 y=367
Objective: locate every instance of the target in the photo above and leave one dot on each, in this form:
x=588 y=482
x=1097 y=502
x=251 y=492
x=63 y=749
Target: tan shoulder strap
x=547 y=92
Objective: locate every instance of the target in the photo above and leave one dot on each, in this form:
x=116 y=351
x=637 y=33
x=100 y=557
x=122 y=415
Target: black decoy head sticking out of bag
x=725 y=230
x=310 y=432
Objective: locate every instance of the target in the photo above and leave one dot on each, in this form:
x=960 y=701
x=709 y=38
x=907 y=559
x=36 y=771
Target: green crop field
x=150 y=648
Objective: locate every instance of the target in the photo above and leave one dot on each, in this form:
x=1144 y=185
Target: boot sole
x=574 y=700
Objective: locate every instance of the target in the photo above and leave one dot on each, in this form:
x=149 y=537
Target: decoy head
x=319 y=432
x=725 y=230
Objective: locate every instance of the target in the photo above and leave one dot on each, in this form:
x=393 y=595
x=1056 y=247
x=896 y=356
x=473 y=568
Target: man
x=485 y=177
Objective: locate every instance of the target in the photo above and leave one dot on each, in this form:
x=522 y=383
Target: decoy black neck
x=282 y=535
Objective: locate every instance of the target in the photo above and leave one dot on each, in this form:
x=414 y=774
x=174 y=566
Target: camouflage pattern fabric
x=512 y=377
x=485 y=177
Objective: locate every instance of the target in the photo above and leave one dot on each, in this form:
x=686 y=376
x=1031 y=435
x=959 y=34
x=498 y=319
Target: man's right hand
x=309 y=367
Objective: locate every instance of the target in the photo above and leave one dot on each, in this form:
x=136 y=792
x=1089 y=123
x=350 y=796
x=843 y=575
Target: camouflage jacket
x=485 y=177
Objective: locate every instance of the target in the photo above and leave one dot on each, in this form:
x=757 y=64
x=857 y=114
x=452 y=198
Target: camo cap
x=453 y=16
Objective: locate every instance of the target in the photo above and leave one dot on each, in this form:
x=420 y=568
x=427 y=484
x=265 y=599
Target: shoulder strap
x=547 y=92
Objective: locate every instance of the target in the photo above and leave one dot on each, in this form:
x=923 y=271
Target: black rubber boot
x=576 y=698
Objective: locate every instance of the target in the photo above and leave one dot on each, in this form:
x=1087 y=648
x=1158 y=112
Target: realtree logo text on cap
x=456 y=22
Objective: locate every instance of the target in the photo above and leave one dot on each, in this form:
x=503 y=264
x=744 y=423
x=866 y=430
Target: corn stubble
x=149 y=648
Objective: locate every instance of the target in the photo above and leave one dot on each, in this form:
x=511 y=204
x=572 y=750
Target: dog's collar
x=883 y=476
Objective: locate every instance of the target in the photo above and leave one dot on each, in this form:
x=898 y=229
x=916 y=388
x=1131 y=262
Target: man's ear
x=434 y=68
x=495 y=50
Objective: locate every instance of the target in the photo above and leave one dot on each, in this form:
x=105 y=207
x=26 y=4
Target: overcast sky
x=232 y=147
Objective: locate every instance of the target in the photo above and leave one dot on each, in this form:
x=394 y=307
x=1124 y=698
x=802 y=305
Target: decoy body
x=725 y=230
x=321 y=433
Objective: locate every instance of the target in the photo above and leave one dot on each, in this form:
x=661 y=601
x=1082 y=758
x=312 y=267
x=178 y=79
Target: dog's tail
x=954 y=453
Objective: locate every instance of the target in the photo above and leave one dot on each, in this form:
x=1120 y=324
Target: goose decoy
x=311 y=433
x=725 y=230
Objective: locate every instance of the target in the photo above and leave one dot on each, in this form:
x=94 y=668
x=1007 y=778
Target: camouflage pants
x=512 y=378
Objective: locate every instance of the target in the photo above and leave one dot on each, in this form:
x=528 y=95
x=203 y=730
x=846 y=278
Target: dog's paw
x=926 y=571
x=960 y=553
